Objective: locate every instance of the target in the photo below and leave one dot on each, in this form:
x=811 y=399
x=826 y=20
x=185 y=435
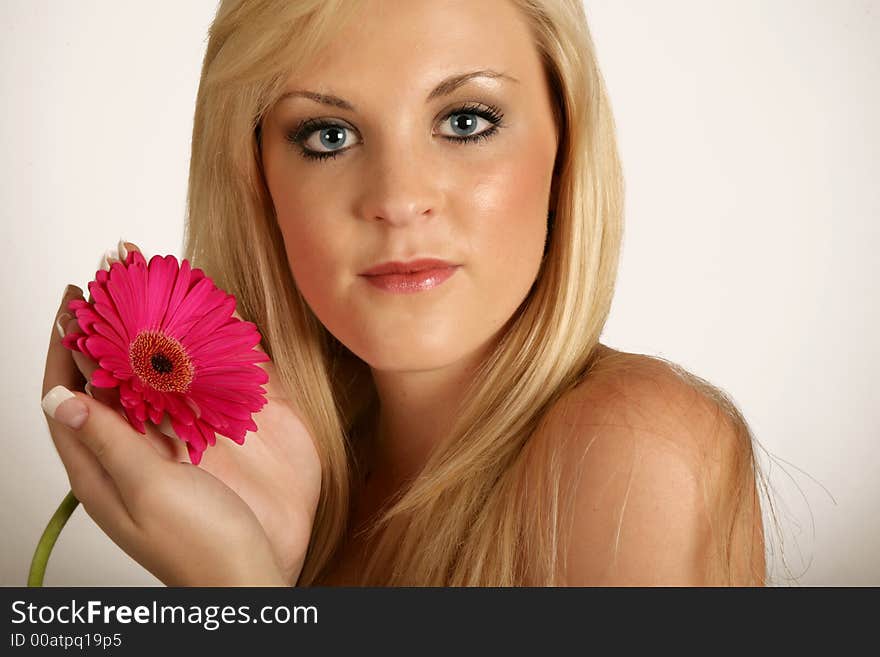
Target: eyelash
x=489 y=112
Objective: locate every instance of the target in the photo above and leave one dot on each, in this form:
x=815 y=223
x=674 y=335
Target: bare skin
x=402 y=190
x=371 y=497
x=641 y=447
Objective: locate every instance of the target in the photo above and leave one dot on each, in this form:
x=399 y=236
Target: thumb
x=63 y=406
x=124 y=453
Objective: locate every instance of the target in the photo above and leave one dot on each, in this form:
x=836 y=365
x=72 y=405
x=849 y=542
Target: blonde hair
x=469 y=518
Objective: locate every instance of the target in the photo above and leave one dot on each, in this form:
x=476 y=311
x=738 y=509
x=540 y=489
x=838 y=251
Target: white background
x=748 y=132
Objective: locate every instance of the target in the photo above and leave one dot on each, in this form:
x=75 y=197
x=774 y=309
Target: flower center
x=161 y=362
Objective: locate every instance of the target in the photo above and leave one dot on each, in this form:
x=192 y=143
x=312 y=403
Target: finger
x=90 y=483
x=117 y=254
x=129 y=246
x=98 y=495
x=95 y=490
x=87 y=367
x=130 y=460
x=84 y=364
x=172 y=446
x=124 y=248
x=60 y=368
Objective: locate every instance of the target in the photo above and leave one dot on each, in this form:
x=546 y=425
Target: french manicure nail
x=105 y=259
x=123 y=252
x=62 y=320
x=62 y=405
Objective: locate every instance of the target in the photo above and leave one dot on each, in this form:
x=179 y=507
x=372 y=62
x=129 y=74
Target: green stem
x=47 y=540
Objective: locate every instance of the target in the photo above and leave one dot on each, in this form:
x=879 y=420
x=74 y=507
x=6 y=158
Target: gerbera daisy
x=165 y=335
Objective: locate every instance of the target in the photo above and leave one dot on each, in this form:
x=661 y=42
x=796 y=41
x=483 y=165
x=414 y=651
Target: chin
x=408 y=356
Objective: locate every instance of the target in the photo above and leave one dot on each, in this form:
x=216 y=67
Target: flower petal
x=195 y=456
x=155 y=414
x=134 y=422
x=162 y=274
x=178 y=292
x=178 y=409
x=127 y=288
x=186 y=306
x=219 y=313
x=70 y=340
x=103 y=379
x=187 y=312
x=207 y=433
x=100 y=347
x=111 y=316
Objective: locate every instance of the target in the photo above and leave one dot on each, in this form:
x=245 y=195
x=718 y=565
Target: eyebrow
x=445 y=88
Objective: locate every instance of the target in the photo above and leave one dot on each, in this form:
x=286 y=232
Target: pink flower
x=165 y=335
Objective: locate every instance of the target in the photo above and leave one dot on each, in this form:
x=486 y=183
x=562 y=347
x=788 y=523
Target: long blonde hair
x=469 y=518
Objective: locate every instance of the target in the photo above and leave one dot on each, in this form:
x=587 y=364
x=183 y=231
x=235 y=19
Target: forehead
x=401 y=45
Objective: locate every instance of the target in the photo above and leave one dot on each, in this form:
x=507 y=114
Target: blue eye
x=332 y=135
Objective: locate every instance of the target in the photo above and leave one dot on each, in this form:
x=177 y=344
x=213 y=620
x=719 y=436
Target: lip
x=406 y=278
x=395 y=267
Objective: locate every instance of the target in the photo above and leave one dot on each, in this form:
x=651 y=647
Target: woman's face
x=393 y=177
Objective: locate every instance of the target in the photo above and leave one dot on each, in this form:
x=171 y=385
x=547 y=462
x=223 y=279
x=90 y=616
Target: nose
x=400 y=187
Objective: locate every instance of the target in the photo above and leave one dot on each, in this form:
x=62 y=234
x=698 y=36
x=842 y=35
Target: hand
x=276 y=472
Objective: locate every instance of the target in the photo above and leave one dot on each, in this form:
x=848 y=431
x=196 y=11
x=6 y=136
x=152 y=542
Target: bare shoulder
x=657 y=465
x=654 y=397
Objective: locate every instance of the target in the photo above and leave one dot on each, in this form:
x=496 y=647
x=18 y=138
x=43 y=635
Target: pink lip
x=416 y=281
x=395 y=267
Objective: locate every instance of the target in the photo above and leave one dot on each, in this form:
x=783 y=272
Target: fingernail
x=88 y=389
x=104 y=263
x=62 y=405
x=62 y=320
x=123 y=252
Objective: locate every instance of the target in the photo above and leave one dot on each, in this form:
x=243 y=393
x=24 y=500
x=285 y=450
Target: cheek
x=304 y=244
x=513 y=210
x=314 y=255
x=311 y=240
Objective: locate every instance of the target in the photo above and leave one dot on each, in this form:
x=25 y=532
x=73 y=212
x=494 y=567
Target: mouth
x=408 y=282
x=413 y=266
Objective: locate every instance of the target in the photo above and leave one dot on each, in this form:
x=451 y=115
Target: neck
x=416 y=412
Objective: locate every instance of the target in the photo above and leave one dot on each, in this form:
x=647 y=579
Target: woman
x=462 y=426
